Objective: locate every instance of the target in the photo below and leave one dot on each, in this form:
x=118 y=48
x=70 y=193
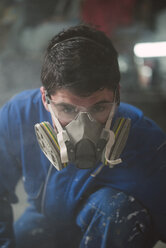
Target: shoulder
x=144 y=131
x=129 y=111
x=18 y=117
x=25 y=97
x=25 y=108
x=20 y=103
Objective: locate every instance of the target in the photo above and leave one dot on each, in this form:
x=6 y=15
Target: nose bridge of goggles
x=85 y=115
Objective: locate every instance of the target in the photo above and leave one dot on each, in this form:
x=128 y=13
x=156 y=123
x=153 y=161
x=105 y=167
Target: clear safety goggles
x=67 y=112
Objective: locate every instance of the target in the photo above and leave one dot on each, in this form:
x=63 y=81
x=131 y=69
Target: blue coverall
x=121 y=207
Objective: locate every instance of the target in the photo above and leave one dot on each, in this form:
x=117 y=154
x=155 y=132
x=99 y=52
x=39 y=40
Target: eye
x=67 y=109
x=101 y=108
x=98 y=108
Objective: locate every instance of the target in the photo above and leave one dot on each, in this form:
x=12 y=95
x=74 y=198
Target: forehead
x=64 y=95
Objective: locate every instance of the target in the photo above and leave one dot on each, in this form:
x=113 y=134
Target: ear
x=118 y=94
x=42 y=90
x=119 y=87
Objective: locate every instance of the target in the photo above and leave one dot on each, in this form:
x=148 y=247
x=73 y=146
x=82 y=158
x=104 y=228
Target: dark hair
x=81 y=59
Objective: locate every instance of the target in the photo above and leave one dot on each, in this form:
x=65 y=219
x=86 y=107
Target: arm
x=9 y=175
x=159 y=204
x=6 y=224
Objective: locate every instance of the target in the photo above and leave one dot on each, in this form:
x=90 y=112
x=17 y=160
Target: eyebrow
x=103 y=101
x=63 y=104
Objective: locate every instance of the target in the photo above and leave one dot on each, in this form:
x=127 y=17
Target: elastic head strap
x=111 y=114
x=77 y=38
x=62 y=135
x=57 y=123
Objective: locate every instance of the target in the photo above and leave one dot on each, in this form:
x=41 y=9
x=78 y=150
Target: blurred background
x=26 y=26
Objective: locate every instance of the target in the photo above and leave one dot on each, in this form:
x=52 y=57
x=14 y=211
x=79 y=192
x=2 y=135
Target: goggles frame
x=81 y=109
x=68 y=112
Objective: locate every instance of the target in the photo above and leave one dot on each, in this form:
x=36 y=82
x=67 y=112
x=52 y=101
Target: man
x=105 y=184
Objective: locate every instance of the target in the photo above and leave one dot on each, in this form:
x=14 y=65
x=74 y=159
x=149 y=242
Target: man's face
x=67 y=105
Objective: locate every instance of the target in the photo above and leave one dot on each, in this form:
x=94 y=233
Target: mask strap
x=110 y=117
x=111 y=139
x=111 y=114
x=62 y=135
x=57 y=123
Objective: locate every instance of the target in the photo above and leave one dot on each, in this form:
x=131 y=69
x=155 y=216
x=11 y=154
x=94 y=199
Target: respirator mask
x=84 y=141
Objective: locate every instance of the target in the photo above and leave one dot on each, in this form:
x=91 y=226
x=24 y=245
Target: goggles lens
x=66 y=112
